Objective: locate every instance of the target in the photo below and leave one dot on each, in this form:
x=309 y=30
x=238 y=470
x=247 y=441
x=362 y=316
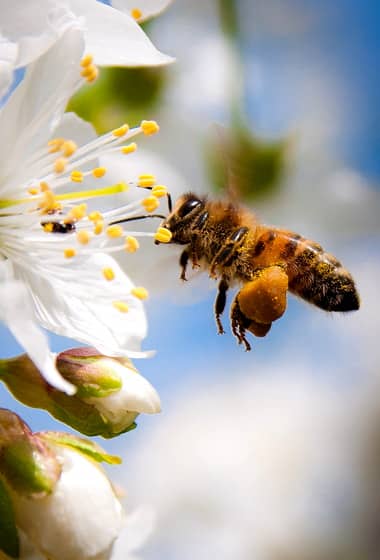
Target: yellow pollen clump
x=95 y=216
x=48 y=227
x=49 y=202
x=68 y=148
x=131 y=244
x=159 y=191
x=90 y=72
x=55 y=144
x=163 y=235
x=77 y=212
x=69 y=253
x=108 y=273
x=150 y=203
x=121 y=131
x=149 y=127
x=44 y=186
x=98 y=227
x=121 y=306
x=115 y=231
x=60 y=165
x=99 y=172
x=33 y=190
x=146 y=180
x=86 y=60
x=83 y=237
x=76 y=176
x=139 y=292
x=136 y=13
x=132 y=147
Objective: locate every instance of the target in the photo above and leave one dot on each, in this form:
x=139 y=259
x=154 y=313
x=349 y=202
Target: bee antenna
x=132 y=219
x=170 y=204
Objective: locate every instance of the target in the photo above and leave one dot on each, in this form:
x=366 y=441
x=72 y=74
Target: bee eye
x=188 y=206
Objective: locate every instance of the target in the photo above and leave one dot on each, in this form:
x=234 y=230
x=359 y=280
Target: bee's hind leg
x=220 y=303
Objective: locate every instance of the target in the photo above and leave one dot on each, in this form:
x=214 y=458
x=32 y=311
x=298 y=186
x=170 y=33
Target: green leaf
x=84 y=446
x=9 y=541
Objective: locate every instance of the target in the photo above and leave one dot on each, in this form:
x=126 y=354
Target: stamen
x=86 y=60
x=33 y=190
x=140 y=292
x=48 y=227
x=68 y=148
x=121 y=306
x=99 y=172
x=105 y=191
x=90 y=72
x=83 y=237
x=146 y=180
x=60 y=165
x=44 y=186
x=150 y=203
x=55 y=145
x=149 y=127
x=163 y=235
x=121 y=131
x=77 y=212
x=159 y=191
x=76 y=176
x=132 y=147
x=136 y=13
x=69 y=253
x=108 y=273
x=95 y=216
x=98 y=227
x=131 y=244
x=114 y=231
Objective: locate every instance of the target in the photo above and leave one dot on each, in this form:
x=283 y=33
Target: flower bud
x=110 y=391
x=80 y=517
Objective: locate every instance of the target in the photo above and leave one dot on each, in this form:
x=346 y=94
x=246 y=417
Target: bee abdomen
x=319 y=278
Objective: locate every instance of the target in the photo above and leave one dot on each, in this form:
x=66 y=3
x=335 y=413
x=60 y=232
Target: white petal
x=114 y=38
x=33 y=25
x=77 y=302
x=16 y=312
x=35 y=108
x=137 y=528
x=80 y=520
x=148 y=8
x=6 y=74
x=73 y=127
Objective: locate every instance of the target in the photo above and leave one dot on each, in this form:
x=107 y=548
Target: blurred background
x=270 y=454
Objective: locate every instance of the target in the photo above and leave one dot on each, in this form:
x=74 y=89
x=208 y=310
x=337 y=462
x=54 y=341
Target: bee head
x=183 y=218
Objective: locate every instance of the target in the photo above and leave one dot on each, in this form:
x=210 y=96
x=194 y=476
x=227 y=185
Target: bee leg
x=239 y=324
x=183 y=262
x=220 y=303
x=225 y=254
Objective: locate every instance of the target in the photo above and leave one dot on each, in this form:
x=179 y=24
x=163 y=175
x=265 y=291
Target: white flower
x=28 y=29
x=141 y=10
x=50 y=244
x=82 y=517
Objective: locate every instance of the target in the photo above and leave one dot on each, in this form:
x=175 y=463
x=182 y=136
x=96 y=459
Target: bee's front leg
x=220 y=303
x=183 y=262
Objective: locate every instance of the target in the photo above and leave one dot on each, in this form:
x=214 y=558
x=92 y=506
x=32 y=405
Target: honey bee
x=265 y=262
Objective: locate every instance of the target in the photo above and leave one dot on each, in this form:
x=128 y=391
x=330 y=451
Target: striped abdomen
x=314 y=275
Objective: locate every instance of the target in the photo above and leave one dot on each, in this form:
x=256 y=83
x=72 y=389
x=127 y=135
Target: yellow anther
x=99 y=172
x=129 y=149
x=55 y=144
x=108 y=273
x=68 y=148
x=115 y=231
x=149 y=127
x=86 y=60
x=76 y=176
x=94 y=74
x=163 y=235
x=131 y=244
x=140 y=292
x=83 y=237
x=48 y=227
x=49 y=202
x=33 y=190
x=98 y=227
x=44 y=186
x=150 y=203
x=146 y=180
x=121 y=131
x=121 y=306
x=77 y=212
x=69 y=253
x=159 y=191
x=60 y=165
x=88 y=71
x=95 y=216
x=136 y=13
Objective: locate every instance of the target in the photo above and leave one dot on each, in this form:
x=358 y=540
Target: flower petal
x=147 y=8
x=76 y=301
x=114 y=38
x=17 y=313
x=137 y=528
x=6 y=73
x=35 y=108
